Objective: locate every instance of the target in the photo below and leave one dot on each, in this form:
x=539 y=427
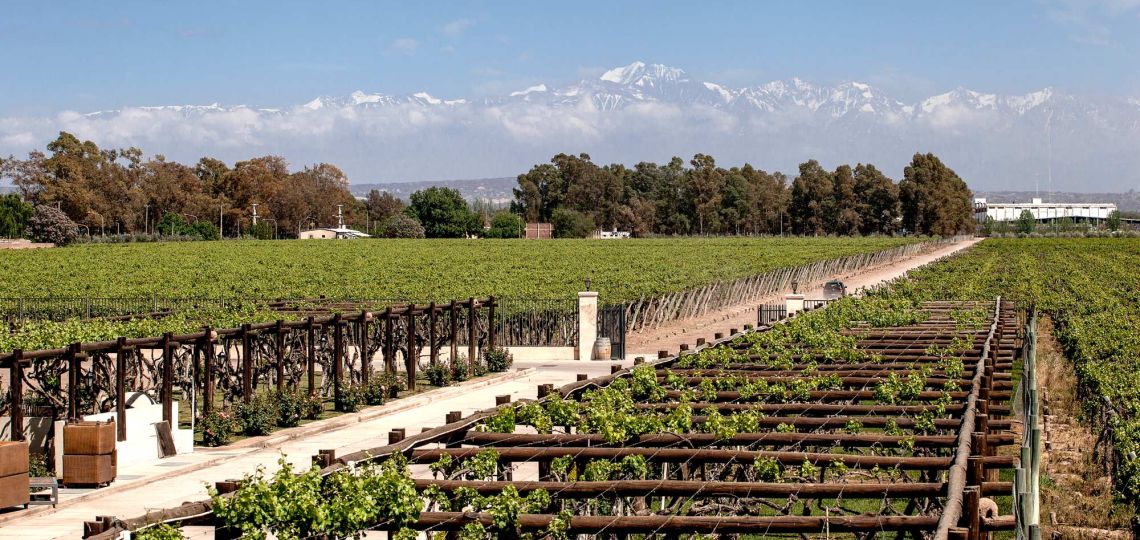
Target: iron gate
x=611 y=324
x=767 y=314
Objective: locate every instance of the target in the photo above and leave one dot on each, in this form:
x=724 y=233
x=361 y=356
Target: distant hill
x=1126 y=202
x=495 y=190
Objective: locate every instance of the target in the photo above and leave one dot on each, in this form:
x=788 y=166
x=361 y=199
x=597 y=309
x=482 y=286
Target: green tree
x=14 y=216
x=505 y=225
x=934 y=199
x=401 y=226
x=812 y=206
x=1113 y=221
x=705 y=189
x=1026 y=223
x=444 y=213
x=877 y=200
x=49 y=224
x=572 y=224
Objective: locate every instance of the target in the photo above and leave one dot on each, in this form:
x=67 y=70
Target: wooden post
x=16 y=393
x=338 y=352
x=410 y=361
x=208 y=366
x=246 y=365
x=491 y=323
x=389 y=343
x=472 y=335
x=120 y=388
x=365 y=358
x=311 y=355
x=972 y=514
x=73 y=381
x=433 y=336
x=168 y=379
x=454 y=331
x=280 y=337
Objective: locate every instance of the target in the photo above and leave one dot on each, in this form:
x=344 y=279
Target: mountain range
x=1044 y=139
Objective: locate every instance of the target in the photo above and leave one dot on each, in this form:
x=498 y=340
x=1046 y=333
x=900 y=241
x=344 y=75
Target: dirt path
x=670 y=336
x=1076 y=494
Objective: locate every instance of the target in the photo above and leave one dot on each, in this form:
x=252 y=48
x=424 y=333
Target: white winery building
x=1042 y=211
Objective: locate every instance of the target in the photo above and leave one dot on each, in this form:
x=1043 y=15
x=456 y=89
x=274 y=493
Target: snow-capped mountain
x=645 y=112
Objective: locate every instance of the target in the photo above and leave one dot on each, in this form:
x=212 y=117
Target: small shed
x=332 y=233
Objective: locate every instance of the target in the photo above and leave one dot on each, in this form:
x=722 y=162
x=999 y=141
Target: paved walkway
x=184 y=478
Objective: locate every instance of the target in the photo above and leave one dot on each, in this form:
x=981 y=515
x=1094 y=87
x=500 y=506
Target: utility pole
x=254 y=214
x=340 y=216
x=221 y=231
x=146 y=219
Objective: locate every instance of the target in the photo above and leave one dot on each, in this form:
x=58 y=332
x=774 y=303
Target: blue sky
x=87 y=56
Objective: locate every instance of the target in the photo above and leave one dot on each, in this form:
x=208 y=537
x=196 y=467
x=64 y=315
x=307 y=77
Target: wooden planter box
x=13 y=458
x=14 y=490
x=89 y=470
x=89 y=438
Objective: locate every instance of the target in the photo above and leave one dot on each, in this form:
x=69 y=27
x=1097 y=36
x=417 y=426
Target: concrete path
x=184 y=478
x=669 y=337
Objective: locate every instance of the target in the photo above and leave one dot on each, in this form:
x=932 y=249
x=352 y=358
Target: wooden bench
x=43 y=491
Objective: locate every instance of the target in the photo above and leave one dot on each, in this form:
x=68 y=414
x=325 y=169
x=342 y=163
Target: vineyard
x=1091 y=288
x=868 y=416
x=414 y=270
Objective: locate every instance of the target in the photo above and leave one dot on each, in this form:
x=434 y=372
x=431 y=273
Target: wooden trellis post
x=491 y=323
x=338 y=353
x=311 y=355
x=246 y=365
x=168 y=378
x=365 y=357
x=16 y=394
x=73 y=360
x=454 y=331
x=434 y=358
x=472 y=319
x=280 y=346
x=410 y=361
x=389 y=343
x=121 y=352
x=208 y=371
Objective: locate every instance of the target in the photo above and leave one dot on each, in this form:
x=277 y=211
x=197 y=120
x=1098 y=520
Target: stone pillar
x=795 y=303
x=587 y=324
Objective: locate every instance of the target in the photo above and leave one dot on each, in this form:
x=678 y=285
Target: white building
x=1042 y=211
x=330 y=233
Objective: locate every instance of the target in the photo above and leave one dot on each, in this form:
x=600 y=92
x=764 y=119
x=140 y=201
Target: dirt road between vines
x=669 y=337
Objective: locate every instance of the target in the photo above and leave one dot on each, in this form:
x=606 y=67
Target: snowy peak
x=641 y=82
x=640 y=74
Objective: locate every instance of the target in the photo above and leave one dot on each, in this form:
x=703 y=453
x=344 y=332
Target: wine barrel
x=602 y=348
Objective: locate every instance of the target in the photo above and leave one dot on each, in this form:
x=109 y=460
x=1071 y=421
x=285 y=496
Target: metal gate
x=767 y=314
x=611 y=324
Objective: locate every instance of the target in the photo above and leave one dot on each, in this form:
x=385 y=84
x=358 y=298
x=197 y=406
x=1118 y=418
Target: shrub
x=401 y=226
x=460 y=370
x=217 y=427
x=290 y=408
x=49 y=224
x=375 y=392
x=351 y=397
x=312 y=406
x=498 y=359
x=572 y=224
x=38 y=465
x=438 y=374
x=258 y=416
x=162 y=531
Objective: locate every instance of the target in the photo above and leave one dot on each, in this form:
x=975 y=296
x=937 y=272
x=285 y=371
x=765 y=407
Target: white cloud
x=457 y=27
x=405 y=45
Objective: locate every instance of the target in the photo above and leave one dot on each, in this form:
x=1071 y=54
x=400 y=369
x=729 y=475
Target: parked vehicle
x=834 y=289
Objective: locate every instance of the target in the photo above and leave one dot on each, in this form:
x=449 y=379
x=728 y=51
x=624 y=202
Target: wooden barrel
x=602 y=348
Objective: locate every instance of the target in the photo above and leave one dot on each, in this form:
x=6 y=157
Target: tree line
x=579 y=196
x=117 y=191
